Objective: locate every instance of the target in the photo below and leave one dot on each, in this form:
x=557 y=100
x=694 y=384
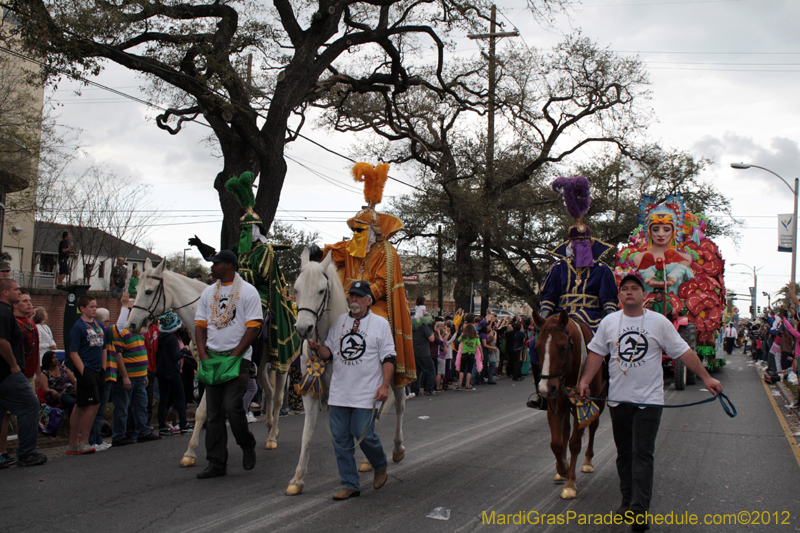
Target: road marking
x=781 y=419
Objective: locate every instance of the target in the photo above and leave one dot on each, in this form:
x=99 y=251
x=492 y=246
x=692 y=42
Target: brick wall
x=55 y=301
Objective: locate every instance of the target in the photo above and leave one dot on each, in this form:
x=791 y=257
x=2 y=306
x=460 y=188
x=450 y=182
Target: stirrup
x=536 y=403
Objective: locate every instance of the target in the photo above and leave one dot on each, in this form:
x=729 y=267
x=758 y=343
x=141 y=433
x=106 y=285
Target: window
x=101 y=273
x=47 y=262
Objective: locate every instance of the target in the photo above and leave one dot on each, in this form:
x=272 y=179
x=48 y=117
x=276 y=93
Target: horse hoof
x=569 y=493
x=558 y=479
x=364 y=467
x=187 y=461
x=271 y=445
x=293 y=489
x=397 y=457
x=588 y=469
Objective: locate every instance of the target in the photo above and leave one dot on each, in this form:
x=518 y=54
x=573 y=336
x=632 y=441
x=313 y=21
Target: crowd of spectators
x=774 y=343
x=103 y=363
x=461 y=351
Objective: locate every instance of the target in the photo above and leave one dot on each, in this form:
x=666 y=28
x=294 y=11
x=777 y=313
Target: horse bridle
x=160 y=295
x=565 y=366
x=322 y=307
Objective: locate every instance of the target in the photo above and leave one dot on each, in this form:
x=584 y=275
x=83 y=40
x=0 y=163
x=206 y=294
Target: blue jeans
x=136 y=397
x=17 y=398
x=492 y=366
x=348 y=424
x=97 y=426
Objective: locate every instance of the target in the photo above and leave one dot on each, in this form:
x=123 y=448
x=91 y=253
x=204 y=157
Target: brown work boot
x=345 y=493
x=380 y=479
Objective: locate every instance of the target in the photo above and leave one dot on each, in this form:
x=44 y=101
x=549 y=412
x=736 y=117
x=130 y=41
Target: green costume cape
x=258 y=267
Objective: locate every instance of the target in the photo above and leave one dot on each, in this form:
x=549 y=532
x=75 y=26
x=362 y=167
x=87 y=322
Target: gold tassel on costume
x=374 y=179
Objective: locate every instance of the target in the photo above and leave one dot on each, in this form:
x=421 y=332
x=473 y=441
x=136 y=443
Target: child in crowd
x=469 y=355
x=420 y=309
x=87 y=343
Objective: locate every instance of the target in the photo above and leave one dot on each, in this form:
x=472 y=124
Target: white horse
x=160 y=289
x=320 y=301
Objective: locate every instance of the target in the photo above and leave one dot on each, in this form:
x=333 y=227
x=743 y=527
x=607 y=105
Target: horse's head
x=313 y=294
x=150 y=299
x=555 y=348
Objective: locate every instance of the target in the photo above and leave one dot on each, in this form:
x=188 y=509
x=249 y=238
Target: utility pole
x=441 y=275
x=489 y=179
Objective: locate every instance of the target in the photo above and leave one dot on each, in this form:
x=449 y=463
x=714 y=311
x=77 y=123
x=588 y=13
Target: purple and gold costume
x=587 y=293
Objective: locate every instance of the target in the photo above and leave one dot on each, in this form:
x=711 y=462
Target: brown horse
x=561 y=344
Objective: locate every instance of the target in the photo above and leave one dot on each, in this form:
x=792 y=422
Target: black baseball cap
x=225 y=256
x=362 y=289
x=635 y=276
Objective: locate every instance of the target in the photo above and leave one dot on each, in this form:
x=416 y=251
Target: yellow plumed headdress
x=374 y=179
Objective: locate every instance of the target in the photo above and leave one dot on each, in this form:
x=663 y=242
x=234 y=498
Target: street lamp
x=184 y=258
x=754 y=294
x=742 y=166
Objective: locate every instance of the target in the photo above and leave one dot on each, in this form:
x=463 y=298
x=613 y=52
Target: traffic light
x=759 y=309
x=751 y=310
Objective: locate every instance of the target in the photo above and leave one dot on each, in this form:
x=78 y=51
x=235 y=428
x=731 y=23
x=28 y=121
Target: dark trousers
x=187 y=378
x=170 y=390
x=635 y=433
x=729 y=345
x=225 y=401
x=515 y=365
x=426 y=374
x=786 y=360
x=17 y=398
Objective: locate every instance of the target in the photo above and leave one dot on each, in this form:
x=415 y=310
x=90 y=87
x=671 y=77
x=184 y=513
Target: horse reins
x=321 y=309
x=726 y=403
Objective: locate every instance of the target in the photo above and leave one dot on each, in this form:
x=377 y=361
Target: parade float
x=683 y=272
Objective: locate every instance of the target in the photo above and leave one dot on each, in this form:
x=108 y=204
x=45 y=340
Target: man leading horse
x=635 y=338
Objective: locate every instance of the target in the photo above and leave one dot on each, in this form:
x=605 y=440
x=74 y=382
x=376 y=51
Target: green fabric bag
x=219 y=368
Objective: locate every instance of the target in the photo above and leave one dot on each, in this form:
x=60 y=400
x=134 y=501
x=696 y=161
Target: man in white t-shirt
x=730 y=338
x=227 y=321
x=635 y=338
x=362 y=347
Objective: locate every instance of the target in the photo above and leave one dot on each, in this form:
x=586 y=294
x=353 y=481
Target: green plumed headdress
x=242 y=189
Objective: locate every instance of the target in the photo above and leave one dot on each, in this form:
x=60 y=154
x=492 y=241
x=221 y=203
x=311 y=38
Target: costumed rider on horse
x=370 y=257
x=258 y=266
x=579 y=282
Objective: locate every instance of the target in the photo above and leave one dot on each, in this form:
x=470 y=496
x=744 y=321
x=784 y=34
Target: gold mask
x=357 y=247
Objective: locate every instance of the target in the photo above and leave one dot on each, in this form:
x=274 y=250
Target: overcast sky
x=725 y=77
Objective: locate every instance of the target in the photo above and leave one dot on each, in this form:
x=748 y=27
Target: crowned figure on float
x=682 y=270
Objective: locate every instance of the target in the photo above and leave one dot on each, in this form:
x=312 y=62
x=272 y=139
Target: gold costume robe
x=381 y=269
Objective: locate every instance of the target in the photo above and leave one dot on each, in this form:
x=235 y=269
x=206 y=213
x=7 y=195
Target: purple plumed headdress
x=578 y=198
x=576 y=195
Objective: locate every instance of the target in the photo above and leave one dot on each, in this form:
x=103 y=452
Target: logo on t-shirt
x=352 y=347
x=223 y=305
x=632 y=346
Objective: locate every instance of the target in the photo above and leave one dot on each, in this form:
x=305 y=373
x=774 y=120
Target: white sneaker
x=410 y=395
x=102 y=447
x=250 y=417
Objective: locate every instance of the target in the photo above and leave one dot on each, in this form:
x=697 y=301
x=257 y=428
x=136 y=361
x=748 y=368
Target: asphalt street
x=475 y=452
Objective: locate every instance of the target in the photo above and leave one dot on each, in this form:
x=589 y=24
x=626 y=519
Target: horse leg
x=190 y=457
x=280 y=387
x=312 y=408
x=265 y=379
x=399 y=451
x=588 y=467
x=557 y=441
x=570 y=491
